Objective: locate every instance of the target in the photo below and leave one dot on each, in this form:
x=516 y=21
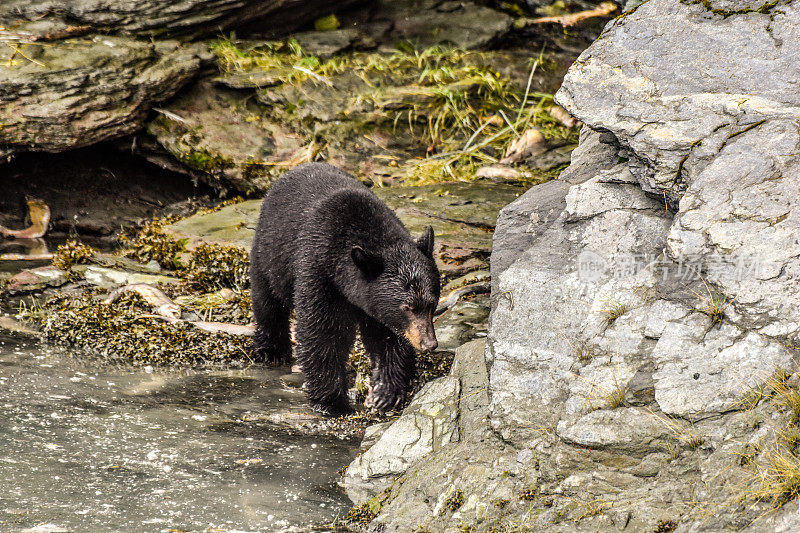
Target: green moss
x=214 y=266
x=665 y=526
x=451 y=104
x=737 y=133
x=366 y=512
x=253 y=169
x=150 y=243
x=679 y=173
x=454 y=501
x=127 y=329
x=529 y=495
x=72 y=253
x=725 y=13
x=328 y=23
x=361 y=514
x=202 y=159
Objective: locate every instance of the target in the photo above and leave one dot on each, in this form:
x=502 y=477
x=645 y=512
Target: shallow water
x=88 y=446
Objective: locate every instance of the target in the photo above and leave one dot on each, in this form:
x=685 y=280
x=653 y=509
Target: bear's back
x=317 y=202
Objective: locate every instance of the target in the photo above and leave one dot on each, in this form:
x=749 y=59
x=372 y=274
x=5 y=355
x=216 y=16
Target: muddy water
x=87 y=446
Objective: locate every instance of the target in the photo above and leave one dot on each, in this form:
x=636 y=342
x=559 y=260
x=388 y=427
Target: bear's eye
x=408 y=308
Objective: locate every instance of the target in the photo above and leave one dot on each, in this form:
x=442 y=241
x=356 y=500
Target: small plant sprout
x=713 y=304
x=685 y=435
x=614 y=310
x=613 y=396
x=583 y=351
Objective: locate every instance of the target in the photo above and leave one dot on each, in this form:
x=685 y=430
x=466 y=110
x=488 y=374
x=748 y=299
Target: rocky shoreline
x=641 y=359
x=635 y=365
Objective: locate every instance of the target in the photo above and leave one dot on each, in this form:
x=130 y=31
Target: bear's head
x=399 y=287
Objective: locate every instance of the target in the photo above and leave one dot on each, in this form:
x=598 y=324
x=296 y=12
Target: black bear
x=329 y=249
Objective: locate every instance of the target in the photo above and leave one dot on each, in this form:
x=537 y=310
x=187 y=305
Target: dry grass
x=777 y=479
x=613 y=397
x=613 y=311
x=593 y=508
x=685 y=435
x=713 y=304
x=784 y=395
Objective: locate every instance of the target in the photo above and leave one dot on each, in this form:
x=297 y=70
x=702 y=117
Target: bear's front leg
x=324 y=335
x=392 y=365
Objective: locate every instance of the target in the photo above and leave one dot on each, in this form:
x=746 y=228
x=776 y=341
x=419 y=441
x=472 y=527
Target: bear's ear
x=369 y=263
x=425 y=243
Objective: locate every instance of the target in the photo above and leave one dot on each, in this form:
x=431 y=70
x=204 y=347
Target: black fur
x=329 y=249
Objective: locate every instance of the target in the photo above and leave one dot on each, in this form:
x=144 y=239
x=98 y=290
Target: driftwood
x=26 y=257
x=162 y=304
x=39 y=214
x=455 y=295
x=170 y=311
x=603 y=10
x=37 y=251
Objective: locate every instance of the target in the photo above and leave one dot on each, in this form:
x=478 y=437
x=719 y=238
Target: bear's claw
x=384 y=399
x=332 y=410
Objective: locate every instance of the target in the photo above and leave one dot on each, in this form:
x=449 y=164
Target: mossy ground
x=128 y=330
x=438 y=113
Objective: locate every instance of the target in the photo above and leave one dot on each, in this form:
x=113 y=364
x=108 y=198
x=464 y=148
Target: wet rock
x=13 y=325
x=426 y=425
x=462 y=322
x=108 y=278
x=325 y=44
x=467 y=279
x=224 y=139
x=233 y=225
x=83 y=91
x=462 y=215
x=58 y=18
x=293 y=381
x=36 y=279
x=430 y=22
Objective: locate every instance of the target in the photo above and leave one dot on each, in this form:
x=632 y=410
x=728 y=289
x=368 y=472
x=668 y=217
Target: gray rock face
x=676 y=100
x=83 y=91
x=663 y=287
x=182 y=17
x=644 y=325
x=426 y=425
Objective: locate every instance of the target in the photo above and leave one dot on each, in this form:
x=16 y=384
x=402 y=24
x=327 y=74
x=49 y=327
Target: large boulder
x=54 y=97
x=642 y=348
x=53 y=19
x=669 y=280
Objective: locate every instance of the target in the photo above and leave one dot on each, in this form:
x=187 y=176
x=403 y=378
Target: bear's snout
x=429 y=345
x=421 y=334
